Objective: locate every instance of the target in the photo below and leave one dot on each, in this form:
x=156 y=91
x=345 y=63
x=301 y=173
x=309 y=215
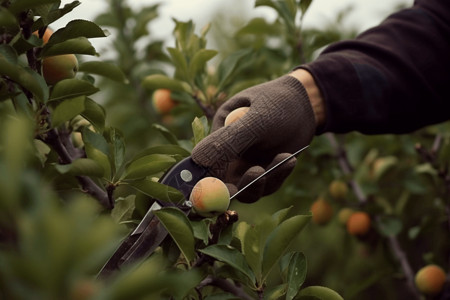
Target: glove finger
x=232 y=189
x=256 y=190
x=277 y=176
x=223 y=111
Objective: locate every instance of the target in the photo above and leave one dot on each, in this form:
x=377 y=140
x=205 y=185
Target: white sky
x=364 y=14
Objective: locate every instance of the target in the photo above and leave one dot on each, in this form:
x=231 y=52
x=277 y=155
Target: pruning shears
x=150 y=233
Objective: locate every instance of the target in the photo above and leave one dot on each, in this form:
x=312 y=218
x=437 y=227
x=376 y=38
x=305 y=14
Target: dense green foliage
x=79 y=163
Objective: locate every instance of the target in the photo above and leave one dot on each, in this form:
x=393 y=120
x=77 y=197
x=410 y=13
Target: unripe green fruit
x=236 y=115
x=344 y=214
x=322 y=212
x=209 y=197
x=320 y=292
x=59 y=67
x=430 y=280
x=338 y=189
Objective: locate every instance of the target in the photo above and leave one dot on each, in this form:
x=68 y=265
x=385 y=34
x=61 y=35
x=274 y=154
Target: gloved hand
x=279 y=122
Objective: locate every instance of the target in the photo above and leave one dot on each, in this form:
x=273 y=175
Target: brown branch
x=404 y=263
x=346 y=167
x=226 y=286
x=53 y=139
x=398 y=252
x=207 y=110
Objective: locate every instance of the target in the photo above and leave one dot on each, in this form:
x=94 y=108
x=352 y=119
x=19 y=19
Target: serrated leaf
x=95 y=114
x=148 y=165
x=104 y=69
x=159 y=81
x=157 y=190
x=67 y=109
x=296 y=274
x=232 y=257
x=180 y=229
x=81 y=167
x=80 y=45
x=279 y=240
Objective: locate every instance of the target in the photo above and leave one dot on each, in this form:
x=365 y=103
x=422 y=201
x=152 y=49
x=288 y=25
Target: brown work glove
x=279 y=122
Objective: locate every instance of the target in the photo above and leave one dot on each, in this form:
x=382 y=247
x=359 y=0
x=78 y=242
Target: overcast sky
x=364 y=14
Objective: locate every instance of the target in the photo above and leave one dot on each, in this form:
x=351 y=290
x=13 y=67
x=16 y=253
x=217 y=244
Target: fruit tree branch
x=226 y=286
x=393 y=242
x=53 y=139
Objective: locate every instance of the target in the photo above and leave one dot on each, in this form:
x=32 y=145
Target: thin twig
x=347 y=169
x=226 y=286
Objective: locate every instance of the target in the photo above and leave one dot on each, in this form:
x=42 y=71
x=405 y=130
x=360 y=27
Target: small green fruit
x=338 y=189
x=319 y=292
x=210 y=197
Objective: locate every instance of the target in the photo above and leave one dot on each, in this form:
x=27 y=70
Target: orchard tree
x=85 y=140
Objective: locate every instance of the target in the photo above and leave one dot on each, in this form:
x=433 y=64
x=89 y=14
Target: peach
x=236 y=115
x=59 y=67
x=162 y=101
x=359 y=223
x=338 y=189
x=322 y=212
x=210 y=197
x=430 y=280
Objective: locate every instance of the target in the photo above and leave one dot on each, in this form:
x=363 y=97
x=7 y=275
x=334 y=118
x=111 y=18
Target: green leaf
x=279 y=240
x=201 y=230
x=67 y=109
x=281 y=215
x=23 y=76
x=101 y=158
x=159 y=81
x=320 y=292
x=96 y=140
x=8 y=20
x=104 y=69
x=249 y=237
x=21 y=5
x=81 y=167
x=52 y=15
x=123 y=209
x=229 y=65
x=180 y=229
x=304 y=5
x=157 y=190
x=74 y=30
x=199 y=60
x=80 y=45
x=200 y=128
x=117 y=148
x=275 y=293
x=171 y=138
x=70 y=88
x=389 y=225
x=232 y=257
x=173 y=150
x=95 y=114
x=148 y=165
x=296 y=274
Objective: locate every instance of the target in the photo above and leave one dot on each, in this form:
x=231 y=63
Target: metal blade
x=269 y=170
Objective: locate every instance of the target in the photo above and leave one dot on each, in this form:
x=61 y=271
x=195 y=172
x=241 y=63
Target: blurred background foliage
x=65 y=245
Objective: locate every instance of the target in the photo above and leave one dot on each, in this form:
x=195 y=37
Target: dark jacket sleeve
x=393 y=78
